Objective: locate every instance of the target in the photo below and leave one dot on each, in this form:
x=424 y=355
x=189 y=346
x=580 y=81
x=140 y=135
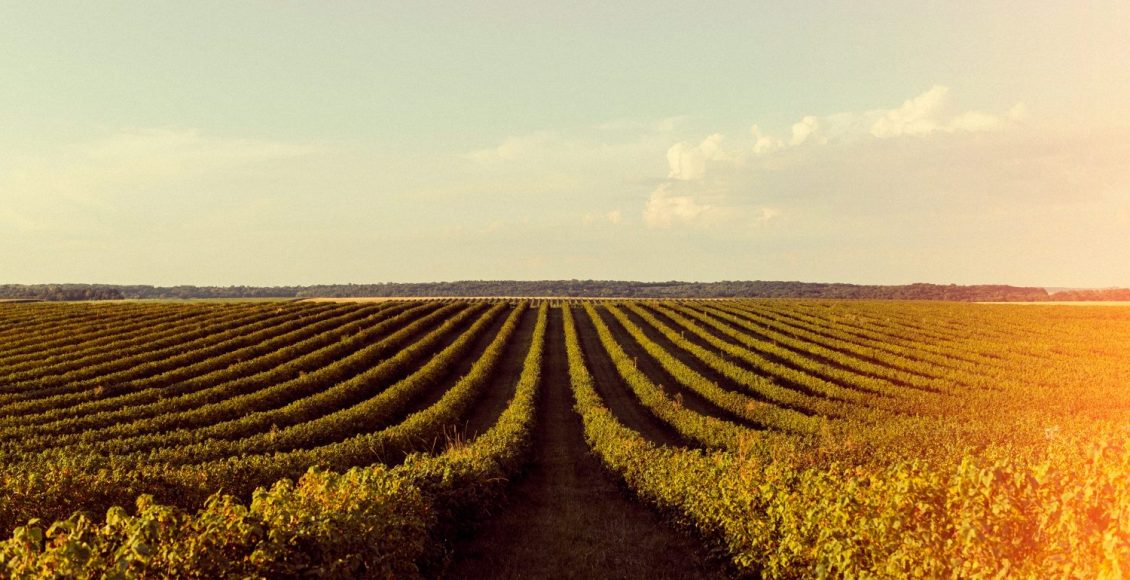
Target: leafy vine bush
x=198 y=379
x=363 y=523
x=368 y=522
x=1017 y=465
x=1063 y=515
x=701 y=429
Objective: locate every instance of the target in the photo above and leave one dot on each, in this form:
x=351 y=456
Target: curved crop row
x=199 y=382
x=65 y=325
x=125 y=346
x=764 y=414
x=76 y=337
x=168 y=351
x=239 y=410
x=818 y=397
x=935 y=352
x=702 y=429
x=378 y=522
x=913 y=364
x=333 y=415
x=764 y=354
x=839 y=354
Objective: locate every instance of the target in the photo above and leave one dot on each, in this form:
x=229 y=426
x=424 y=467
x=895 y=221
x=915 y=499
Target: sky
x=283 y=142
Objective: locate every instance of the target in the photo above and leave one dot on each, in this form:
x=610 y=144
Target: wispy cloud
x=929 y=113
x=56 y=190
x=665 y=125
x=516 y=148
x=736 y=174
x=665 y=209
x=89 y=172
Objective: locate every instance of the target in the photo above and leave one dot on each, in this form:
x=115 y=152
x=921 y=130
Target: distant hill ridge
x=569 y=288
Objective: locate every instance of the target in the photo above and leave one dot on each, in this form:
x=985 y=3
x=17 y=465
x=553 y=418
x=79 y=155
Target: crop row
x=804 y=392
x=140 y=331
x=937 y=353
x=783 y=354
x=268 y=351
x=828 y=353
x=845 y=456
x=765 y=415
x=702 y=429
x=277 y=387
x=367 y=522
x=774 y=518
x=83 y=371
x=64 y=333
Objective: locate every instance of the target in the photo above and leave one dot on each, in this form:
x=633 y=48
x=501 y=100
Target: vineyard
x=495 y=437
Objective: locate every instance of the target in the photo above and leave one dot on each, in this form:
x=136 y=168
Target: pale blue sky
x=287 y=142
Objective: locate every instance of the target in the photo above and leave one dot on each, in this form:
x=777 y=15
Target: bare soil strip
x=661 y=377
x=459 y=370
x=823 y=360
x=485 y=412
x=794 y=331
x=617 y=395
x=691 y=360
x=714 y=375
x=567 y=517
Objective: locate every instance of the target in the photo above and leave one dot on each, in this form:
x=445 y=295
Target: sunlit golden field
x=781 y=438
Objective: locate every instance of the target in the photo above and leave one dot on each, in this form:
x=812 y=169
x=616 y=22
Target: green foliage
x=365 y=523
x=895 y=440
x=1064 y=515
x=369 y=522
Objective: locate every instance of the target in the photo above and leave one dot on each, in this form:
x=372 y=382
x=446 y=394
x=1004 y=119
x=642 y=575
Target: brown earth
x=567 y=517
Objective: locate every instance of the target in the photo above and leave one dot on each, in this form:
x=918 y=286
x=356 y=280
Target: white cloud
x=764 y=144
x=805 y=129
x=918 y=116
x=825 y=157
x=688 y=162
x=928 y=113
x=931 y=112
x=664 y=210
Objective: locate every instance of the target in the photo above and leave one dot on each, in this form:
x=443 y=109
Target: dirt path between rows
x=456 y=373
x=485 y=412
x=659 y=375
x=567 y=517
x=616 y=393
x=696 y=364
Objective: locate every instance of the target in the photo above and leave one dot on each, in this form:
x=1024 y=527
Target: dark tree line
x=60 y=292
x=565 y=288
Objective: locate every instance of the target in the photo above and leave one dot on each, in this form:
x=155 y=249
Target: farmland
x=486 y=437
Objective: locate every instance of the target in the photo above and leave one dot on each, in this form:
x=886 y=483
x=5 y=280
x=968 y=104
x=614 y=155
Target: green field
x=532 y=438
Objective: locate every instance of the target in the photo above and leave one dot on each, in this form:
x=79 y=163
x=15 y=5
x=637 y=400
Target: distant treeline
x=566 y=288
x=1106 y=294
